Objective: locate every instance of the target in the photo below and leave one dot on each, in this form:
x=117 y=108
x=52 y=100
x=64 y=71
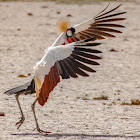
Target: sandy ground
x=71 y=112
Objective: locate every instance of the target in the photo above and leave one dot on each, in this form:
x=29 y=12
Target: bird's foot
x=20 y=122
x=41 y=131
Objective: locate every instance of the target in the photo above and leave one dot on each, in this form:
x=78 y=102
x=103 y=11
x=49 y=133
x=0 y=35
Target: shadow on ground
x=59 y=135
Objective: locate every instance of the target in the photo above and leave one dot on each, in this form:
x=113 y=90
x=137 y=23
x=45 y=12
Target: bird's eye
x=73 y=30
x=69 y=33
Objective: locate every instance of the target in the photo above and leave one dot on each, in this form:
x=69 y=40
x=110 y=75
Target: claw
x=20 y=122
x=41 y=131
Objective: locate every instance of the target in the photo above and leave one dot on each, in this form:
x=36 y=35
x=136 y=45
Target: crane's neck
x=60 y=40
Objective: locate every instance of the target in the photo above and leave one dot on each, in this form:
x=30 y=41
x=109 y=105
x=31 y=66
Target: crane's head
x=64 y=26
x=70 y=32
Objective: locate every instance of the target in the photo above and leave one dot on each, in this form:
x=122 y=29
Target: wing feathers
x=108 y=16
x=58 y=67
x=109 y=11
x=104 y=19
x=85 y=60
x=69 y=69
x=71 y=40
x=57 y=78
x=98 y=32
x=83 y=36
x=75 y=39
x=93 y=34
x=87 y=55
x=103 y=10
x=76 y=69
x=88 y=45
x=50 y=81
x=110 y=20
x=82 y=66
x=88 y=50
x=107 y=30
x=70 y=60
x=109 y=25
x=70 y=66
x=92 y=27
x=65 y=74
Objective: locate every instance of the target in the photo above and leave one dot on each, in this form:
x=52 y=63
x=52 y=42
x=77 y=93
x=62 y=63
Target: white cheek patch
x=69 y=32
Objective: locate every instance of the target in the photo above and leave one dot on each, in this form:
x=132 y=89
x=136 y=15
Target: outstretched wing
x=99 y=26
x=96 y=27
x=65 y=61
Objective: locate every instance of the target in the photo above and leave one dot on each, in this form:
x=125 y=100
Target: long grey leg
x=22 y=116
x=37 y=126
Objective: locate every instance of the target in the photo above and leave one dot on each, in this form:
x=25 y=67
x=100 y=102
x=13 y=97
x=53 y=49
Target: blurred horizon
x=68 y=1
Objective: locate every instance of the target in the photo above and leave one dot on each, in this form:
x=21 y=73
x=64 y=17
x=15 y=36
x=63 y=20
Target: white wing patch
x=84 y=25
x=52 y=54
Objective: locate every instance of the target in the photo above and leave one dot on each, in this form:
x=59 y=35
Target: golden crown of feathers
x=62 y=25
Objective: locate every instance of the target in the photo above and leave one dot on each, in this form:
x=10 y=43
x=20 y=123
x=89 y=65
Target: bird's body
x=70 y=59
x=49 y=69
x=46 y=73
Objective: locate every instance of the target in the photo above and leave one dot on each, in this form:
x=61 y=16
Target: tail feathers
x=19 y=89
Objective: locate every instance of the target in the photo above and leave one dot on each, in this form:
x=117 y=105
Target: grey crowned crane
x=68 y=56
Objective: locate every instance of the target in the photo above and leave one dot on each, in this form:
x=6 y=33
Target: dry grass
x=125 y=103
x=2 y=114
x=21 y=75
x=113 y=50
x=84 y=98
x=133 y=102
x=103 y=97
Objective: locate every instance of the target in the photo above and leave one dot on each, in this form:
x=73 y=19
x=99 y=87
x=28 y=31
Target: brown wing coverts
x=50 y=81
x=101 y=27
